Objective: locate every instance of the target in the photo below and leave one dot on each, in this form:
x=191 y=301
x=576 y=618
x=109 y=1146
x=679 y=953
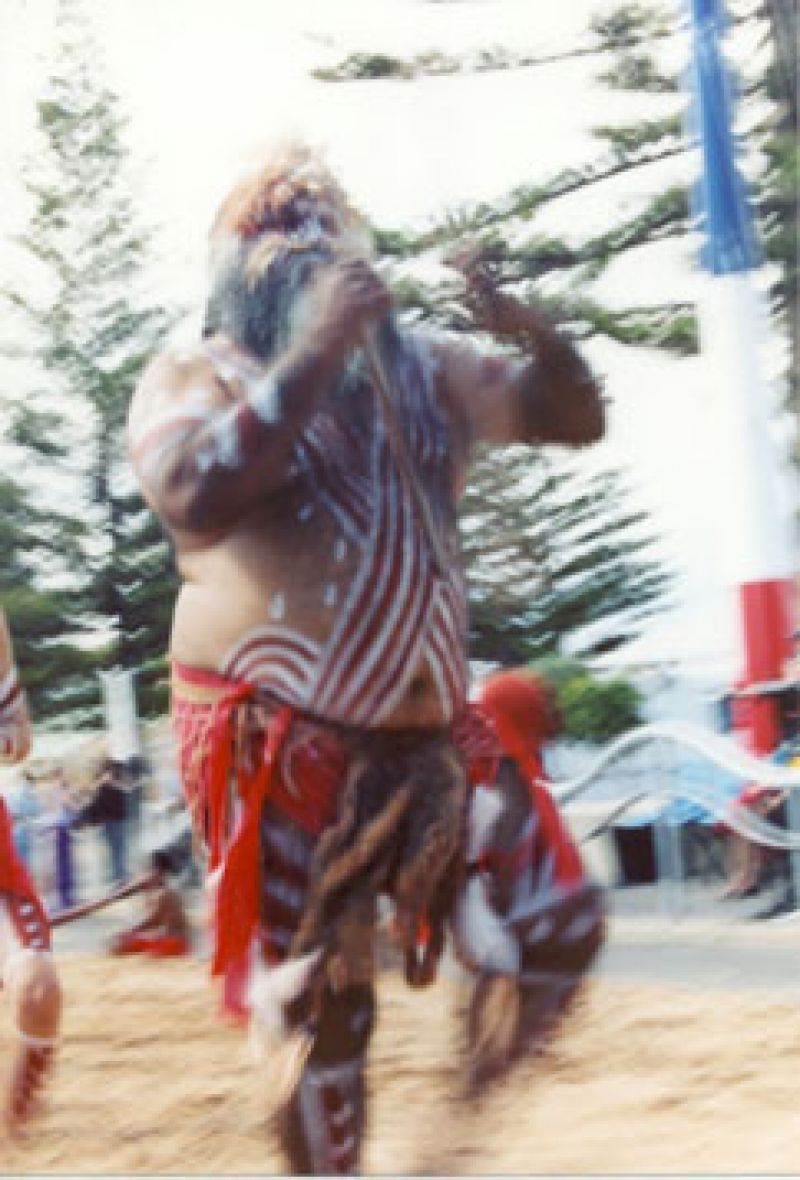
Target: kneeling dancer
x=307 y=456
x=26 y=967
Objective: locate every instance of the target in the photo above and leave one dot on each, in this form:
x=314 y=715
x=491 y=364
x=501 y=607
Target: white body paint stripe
x=275 y=657
x=395 y=613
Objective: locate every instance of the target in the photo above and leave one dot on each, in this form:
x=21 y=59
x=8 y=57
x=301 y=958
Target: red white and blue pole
x=756 y=538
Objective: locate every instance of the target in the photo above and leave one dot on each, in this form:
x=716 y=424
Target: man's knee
x=36 y=994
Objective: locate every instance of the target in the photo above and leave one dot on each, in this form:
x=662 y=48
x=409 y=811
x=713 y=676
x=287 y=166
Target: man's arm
x=15 y=722
x=547 y=395
x=211 y=433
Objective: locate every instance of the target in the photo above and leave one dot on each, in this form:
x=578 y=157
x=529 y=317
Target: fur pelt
x=401 y=832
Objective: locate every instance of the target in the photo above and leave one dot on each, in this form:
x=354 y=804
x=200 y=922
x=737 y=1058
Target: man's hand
x=481 y=295
x=345 y=299
x=553 y=398
x=493 y=310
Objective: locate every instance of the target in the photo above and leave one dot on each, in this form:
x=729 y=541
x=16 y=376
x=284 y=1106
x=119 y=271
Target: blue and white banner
x=725 y=219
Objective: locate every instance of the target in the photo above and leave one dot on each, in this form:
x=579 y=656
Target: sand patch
x=643 y=1078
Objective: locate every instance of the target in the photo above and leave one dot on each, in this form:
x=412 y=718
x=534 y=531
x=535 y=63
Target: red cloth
x=13 y=874
x=25 y=908
x=214 y=754
x=303 y=773
x=164 y=946
x=476 y=738
x=522 y=710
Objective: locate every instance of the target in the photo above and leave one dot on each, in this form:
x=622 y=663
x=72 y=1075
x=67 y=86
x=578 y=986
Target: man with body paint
x=307 y=457
x=26 y=966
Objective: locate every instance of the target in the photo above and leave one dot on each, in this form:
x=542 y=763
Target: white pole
x=122 y=727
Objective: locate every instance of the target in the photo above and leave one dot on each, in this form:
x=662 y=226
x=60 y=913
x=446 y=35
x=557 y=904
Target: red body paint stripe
x=11 y=697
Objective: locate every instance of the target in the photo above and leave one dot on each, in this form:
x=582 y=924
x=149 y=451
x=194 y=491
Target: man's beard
x=261 y=312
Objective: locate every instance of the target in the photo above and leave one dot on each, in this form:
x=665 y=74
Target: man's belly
x=340 y=658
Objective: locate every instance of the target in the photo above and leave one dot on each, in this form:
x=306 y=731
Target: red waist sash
x=236 y=751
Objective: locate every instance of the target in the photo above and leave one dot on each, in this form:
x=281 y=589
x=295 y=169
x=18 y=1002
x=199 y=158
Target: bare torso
x=309 y=568
x=326 y=591
x=168 y=916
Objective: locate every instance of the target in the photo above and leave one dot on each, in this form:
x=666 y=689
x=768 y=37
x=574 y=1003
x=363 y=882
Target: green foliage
x=638 y=71
x=40 y=431
x=595 y=710
x=32 y=543
x=592 y=709
x=774 y=133
x=506 y=229
x=491 y=224
x=554 y=554
x=82 y=525
x=779 y=184
x=671 y=326
x=359 y=67
x=364 y=65
x=526 y=594
x=627 y=138
x=630 y=24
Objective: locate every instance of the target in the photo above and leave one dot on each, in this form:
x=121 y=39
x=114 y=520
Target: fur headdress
x=272 y=230
x=293 y=197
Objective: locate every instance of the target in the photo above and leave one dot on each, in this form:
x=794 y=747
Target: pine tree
x=528 y=262
x=53 y=671
x=90 y=334
x=555 y=558
x=554 y=553
x=628 y=40
x=779 y=183
x=767 y=86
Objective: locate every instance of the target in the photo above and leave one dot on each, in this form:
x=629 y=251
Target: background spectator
x=108 y=809
x=62 y=815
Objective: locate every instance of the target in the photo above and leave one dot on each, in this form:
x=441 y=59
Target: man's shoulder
x=449 y=358
x=175 y=376
x=177 y=368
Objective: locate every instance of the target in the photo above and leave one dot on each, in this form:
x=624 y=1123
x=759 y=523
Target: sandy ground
x=643 y=1078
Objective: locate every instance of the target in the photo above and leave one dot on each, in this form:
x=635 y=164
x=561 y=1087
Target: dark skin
x=346 y=298
x=240 y=536
x=165 y=914
x=566 y=408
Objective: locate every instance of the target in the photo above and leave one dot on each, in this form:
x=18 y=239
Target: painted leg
x=514 y=1013
x=557 y=951
x=36 y=996
x=322 y=1126
x=528 y=929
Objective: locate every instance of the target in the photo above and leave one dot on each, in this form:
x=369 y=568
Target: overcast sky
x=206 y=83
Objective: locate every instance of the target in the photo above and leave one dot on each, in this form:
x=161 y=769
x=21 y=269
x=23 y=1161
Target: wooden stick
x=90 y=907
x=383 y=385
